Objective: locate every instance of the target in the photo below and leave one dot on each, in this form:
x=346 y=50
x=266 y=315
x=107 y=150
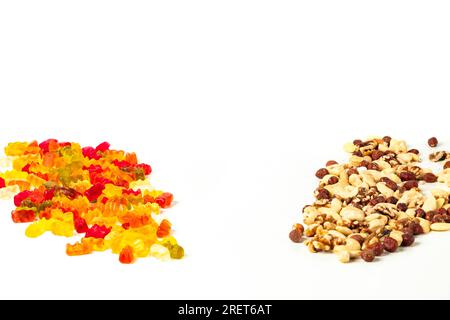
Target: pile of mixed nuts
x=373 y=203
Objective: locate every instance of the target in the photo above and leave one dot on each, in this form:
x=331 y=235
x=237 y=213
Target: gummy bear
x=19 y=216
x=126 y=255
x=97 y=231
x=94 y=192
x=164 y=200
x=2 y=183
x=164 y=229
x=176 y=252
x=80 y=225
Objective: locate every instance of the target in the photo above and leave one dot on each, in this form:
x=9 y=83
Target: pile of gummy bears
x=100 y=193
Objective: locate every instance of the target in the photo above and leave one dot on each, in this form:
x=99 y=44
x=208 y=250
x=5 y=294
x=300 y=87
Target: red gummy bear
x=19 y=216
x=90 y=153
x=49 y=194
x=80 y=225
x=18 y=198
x=102 y=147
x=26 y=168
x=2 y=183
x=97 y=231
x=147 y=169
x=45 y=145
x=94 y=192
x=164 y=200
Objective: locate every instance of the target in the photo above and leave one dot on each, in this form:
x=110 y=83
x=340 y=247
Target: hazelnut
x=433 y=142
x=406 y=176
x=297 y=233
x=376 y=248
x=447 y=165
x=437 y=218
x=402 y=206
x=333 y=180
x=387 y=139
x=392 y=200
x=411 y=184
x=373 y=166
x=357 y=142
x=367 y=255
x=323 y=194
x=390 y=244
x=330 y=163
x=417 y=228
x=408 y=239
x=420 y=213
x=377 y=154
x=321 y=173
x=364 y=163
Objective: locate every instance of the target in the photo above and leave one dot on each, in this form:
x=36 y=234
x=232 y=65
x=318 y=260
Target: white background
x=235 y=104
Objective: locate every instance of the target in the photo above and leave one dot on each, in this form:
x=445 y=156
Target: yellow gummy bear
x=35 y=230
x=9 y=191
x=16 y=148
x=112 y=191
x=62 y=228
x=160 y=252
x=14 y=175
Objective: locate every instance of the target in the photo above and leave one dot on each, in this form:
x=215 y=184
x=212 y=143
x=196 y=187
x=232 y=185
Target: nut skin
x=358 y=153
x=322 y=172
x=415 y=151
x=390 y=244
x=417 y=228
x=406 y=175
x=389 y=183
x=323 y=194
x=364 y=163
x=411 y=184
x=357 y=142
x=437 y=218
x=430 y=177
x=429 y=215
x=420 y=213
x=433 y=142
x=377 y=200
x=376 y=248
x=296 y=233
x=295 y=236
x=358 y=238
x=330 y=163
x=447 y=165
x=373 y=166
x=333 y=180
x=352 y=171
x=367 y=255
x=376 y=154
x=392 y=200
x=402 y=206
x=387 y=139
x=408 y=239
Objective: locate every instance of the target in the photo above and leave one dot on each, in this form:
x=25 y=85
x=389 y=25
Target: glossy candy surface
x=101 y=195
